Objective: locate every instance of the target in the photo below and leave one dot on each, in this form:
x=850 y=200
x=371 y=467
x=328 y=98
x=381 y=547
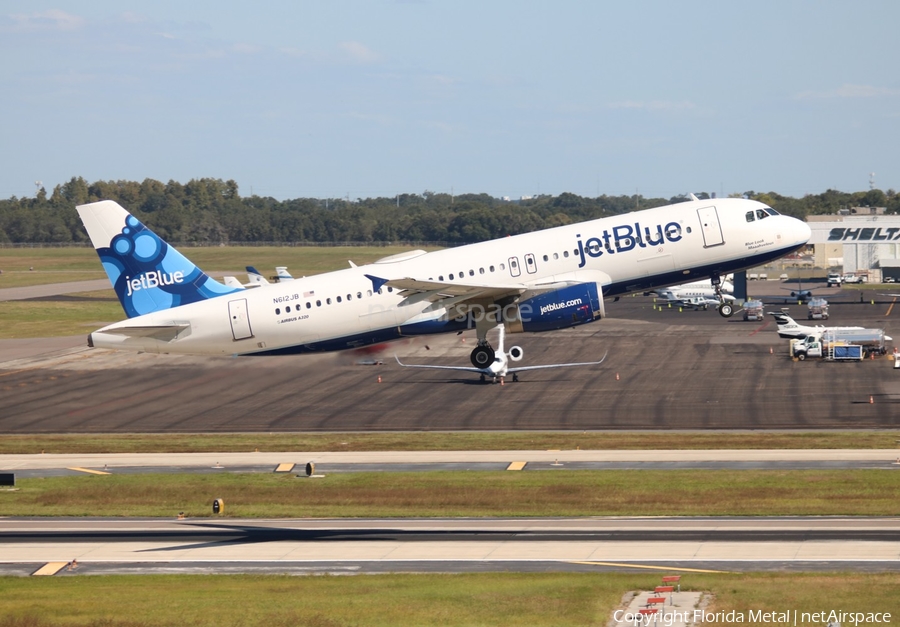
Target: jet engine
x=556 y=309
x=516 y=353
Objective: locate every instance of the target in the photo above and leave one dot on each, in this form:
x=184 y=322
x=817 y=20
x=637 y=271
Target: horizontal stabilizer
x=163 y=332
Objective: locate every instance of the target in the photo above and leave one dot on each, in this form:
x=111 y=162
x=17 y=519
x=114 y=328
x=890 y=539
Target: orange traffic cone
x=617 y=376
x=379 y=378
x=871 y=400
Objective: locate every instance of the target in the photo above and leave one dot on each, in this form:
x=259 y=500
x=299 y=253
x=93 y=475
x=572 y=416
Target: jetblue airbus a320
x=538 y=281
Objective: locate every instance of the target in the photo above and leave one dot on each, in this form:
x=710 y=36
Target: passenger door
x=240 y=320
x=712 y=230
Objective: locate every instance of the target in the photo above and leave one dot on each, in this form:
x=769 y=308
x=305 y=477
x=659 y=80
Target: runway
x=104 y=546
x=665 y=370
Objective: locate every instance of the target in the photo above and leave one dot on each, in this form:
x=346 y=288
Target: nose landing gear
x=725 y=309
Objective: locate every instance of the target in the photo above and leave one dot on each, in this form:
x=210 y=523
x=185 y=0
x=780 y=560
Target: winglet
x=377 y=282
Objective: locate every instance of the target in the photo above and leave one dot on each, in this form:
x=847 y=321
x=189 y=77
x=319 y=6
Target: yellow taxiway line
x=88 y=470
x=648 y=567
x=48 y=569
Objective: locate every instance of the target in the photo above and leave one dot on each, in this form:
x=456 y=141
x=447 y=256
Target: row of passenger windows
x=339 y=299
x=513 y=263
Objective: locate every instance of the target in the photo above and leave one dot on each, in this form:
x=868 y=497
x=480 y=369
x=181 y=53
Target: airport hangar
x=863 y=240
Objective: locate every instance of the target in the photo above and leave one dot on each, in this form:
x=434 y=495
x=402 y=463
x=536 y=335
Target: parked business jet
x=695 y=289
x=499 y=368
x=788 y=328
x=255 y=277
x=282 y=274
x=538 y=281
x=704 y=291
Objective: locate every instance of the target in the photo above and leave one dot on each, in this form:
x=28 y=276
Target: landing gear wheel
x=482 y=356
x=515 y=377
x=726 y=310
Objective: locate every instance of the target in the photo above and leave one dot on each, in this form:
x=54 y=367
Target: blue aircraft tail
x=147 y=274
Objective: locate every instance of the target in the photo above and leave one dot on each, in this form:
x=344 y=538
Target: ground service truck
x=869 y=341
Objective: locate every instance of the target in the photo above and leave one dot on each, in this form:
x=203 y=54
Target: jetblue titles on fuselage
x=624 y=238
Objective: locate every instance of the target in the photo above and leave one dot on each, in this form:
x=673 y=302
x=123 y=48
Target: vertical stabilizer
x=147 y=274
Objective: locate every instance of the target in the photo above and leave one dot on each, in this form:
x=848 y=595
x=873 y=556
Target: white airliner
x=497 y=370
x=537 y=281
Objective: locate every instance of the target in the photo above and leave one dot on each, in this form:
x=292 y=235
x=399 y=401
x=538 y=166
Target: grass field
x=474 y=493
x=55 y=318
x=442 y=441
x=484 y=599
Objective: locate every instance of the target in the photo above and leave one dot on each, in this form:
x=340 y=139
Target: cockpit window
x=760 y=214
x=751 y=216
x=772 y=212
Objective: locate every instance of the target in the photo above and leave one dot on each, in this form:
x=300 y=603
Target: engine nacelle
x=516 y=353
x=558 y=309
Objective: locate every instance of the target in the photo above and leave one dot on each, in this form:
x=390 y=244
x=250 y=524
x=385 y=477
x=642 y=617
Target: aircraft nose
x=801 y=231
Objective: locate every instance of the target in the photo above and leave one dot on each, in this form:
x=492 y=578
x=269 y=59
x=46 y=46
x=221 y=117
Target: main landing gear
x=725 y=309
x=483 y=355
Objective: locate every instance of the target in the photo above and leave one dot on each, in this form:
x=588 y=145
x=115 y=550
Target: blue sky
x=362 y=99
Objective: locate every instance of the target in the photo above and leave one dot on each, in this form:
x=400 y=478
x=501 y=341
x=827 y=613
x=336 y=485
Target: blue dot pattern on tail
x=149 y=275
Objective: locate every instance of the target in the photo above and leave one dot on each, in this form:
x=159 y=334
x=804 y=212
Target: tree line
x=212 y=211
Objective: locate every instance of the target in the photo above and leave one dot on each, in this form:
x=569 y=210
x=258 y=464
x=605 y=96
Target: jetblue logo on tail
x=148 y=274
x=153 y=279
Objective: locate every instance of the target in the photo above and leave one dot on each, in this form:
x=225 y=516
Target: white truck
x=831 y=344
x=817 y=309
x=753 y=310
x=836 y=351
x=834 y=279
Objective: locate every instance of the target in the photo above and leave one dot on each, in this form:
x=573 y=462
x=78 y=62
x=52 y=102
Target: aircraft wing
x=448 y=295
x=163 y=332
x=460 y=368
x=439 y=290
x=541 y=367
